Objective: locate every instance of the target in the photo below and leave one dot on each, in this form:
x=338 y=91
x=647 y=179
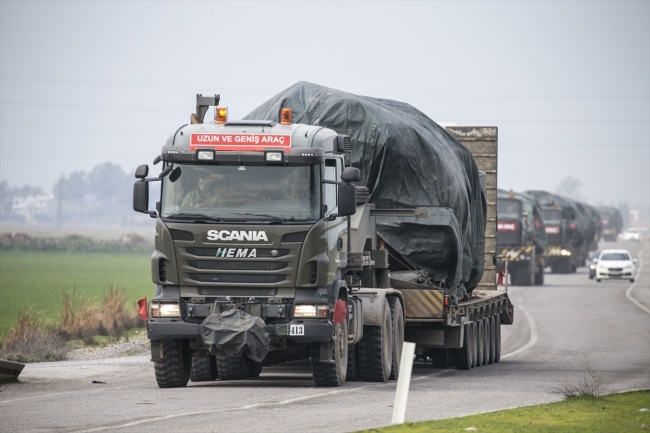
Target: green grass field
x=612 y=413
x=34 y=279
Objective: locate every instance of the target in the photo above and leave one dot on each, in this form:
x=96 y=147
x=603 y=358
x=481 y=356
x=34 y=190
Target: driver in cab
x=205 y=195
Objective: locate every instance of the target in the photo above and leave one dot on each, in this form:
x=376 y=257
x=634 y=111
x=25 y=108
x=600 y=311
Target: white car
x=631 y=235
x=615 y=265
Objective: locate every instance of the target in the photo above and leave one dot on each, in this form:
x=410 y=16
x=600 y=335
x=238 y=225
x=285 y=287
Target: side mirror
x=166 y=171
x=142 y=171
x=141 y=198
x=176 y=173
x=347 y=199
x=351 y=174
x=634 y=260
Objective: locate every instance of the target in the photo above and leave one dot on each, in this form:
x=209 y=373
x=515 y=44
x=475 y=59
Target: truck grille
x=235 y=278
x=237 y=266
x=261 y=252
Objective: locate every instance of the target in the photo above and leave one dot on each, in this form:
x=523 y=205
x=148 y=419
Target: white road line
x=534 y=336
x=628 y=293
x=251 y=406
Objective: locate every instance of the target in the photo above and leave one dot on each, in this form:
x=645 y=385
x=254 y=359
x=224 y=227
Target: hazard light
x=285 y=116
x=220 y=115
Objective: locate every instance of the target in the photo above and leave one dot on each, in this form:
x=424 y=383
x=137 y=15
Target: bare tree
x=570 y=187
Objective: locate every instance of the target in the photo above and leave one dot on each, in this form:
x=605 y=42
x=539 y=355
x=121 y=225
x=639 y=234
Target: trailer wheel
x=480 y=343
x=463 y=356
x=353 y=366
x=173 y=369
x=332 y=374
x=492 y=345
x=254 y=368
x=231 y=368
x=397 y=319
x=204 y=369
x=374 y=353
x=497 y=338
x=486 y=341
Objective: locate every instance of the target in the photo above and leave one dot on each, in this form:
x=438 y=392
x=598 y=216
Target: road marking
x=534 y=336
x=628 y=293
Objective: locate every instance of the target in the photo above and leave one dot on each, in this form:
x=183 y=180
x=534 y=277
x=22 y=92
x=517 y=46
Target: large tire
x=564 y=267
x=397 y=319
x=523 y=275
x=353 y=367
x=332 y=374
x=491 y=321
x=173 y=370
x=204 y=369
x=539 y=276
x=463 y=356
x=486 y=341
x=497 y=338
x=480 y=343
x=374 y=354
x=231 y=368
x=254 y=369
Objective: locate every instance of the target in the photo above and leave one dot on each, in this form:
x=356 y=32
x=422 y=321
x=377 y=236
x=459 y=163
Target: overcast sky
x=567 y=83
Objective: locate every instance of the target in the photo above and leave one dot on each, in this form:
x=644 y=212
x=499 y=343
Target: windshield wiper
x=195 y=215
x=260 y=215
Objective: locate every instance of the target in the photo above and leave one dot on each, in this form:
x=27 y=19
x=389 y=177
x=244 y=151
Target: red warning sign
x=252 y=142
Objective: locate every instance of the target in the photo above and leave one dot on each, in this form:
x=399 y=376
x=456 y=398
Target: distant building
x=31 y=206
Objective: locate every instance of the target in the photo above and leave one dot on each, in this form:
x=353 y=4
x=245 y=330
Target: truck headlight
x=205 y=155
x=565 y=252
x=310 y=311
x=273 y=156
x=164 y=310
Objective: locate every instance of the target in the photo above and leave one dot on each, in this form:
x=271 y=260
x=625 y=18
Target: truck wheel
x=375 y=351
x=480 y=343
x=439 y=358
x=539 y=276
x=173 y=370
x=564 y=267
x=491 y=321
x=332 y=374
x=231 y=368
x=465 y=354
x=486 y=341
x=204 y=369
x=523 y=275
x=353 y=367
x=397 y=319
x=497 y=338
x=254 y=369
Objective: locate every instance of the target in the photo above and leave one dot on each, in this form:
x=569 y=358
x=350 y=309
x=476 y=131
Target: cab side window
x=330 y=190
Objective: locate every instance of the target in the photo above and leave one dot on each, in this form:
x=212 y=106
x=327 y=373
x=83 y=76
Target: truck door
x=337 y=229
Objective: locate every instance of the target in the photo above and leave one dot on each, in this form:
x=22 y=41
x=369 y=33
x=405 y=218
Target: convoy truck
x=521 y=235
x=266 y=250
x=566 y=231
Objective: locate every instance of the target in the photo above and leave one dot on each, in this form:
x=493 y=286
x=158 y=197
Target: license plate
x=615 y=274
x=297 y=330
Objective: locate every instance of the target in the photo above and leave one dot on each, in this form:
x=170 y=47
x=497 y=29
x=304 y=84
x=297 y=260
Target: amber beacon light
x=221 y=115
x=285 y=116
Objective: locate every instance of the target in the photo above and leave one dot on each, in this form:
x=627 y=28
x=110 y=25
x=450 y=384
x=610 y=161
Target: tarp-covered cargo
x=236 y=333
x=406 y=161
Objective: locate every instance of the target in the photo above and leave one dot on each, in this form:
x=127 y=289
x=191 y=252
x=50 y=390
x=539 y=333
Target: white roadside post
x=403 y=382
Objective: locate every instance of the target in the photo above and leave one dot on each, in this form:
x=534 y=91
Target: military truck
x=521 y=235
x=266 y=250
x=611 y=222
x=565 y=232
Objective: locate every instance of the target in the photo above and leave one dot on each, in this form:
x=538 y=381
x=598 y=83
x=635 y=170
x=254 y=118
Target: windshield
x=248 y=192
x=508 y=208
x=551 y=215
x=615 y=256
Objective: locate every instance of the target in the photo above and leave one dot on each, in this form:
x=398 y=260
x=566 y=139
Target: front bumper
x=177 y=329
x=614 y=276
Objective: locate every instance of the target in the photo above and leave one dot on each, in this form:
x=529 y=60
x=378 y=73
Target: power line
x=88 y=107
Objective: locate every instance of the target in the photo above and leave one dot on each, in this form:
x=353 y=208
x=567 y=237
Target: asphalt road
x=559 y=327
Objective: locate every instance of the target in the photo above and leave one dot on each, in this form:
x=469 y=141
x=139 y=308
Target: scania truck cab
x=252 y=215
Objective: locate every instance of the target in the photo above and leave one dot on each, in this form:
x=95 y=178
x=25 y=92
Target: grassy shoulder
x=35 y=279
x=612 y=413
